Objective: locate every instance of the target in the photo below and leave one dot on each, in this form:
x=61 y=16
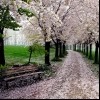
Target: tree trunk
x=70 y=47
x=47 y=53
x=80 y=47
x=64 y=49
x=2 y=57
x=87 y=49
x=30 y=56
x=60 y=53
x=75 y=47
x=90 y=56
x=96 y=52
x=56 y=50
x=84 y=48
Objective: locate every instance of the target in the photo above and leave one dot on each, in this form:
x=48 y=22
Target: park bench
x=18 y=73
x=22 y=79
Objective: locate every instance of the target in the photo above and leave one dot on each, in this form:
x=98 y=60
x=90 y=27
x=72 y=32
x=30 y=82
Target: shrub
x=2 y=70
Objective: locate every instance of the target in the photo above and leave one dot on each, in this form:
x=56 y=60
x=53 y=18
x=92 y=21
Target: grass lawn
x=20 y=55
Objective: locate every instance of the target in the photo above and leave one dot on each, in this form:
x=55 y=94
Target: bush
x=46 y=69
x=2 y=70
x=36 y=48
x=42 y=67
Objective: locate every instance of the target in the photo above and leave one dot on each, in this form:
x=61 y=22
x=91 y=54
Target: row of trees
x=12 y=11
x=62 y=21
x=87 y=33
x=87 y=49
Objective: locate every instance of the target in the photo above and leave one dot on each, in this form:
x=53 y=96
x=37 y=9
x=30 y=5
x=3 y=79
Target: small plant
x=35 y=48
x=48 y=73
x=46 y=69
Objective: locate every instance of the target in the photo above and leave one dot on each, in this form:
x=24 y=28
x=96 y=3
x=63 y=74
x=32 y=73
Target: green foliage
x=46 y=69
x=27 y=1
x=42 y=67
x=6 y=20
x=36 y=48
x=1 y=36
x=26 y=12
x=2 y=69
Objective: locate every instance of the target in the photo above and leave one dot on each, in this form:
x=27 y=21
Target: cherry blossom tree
x=8 y=13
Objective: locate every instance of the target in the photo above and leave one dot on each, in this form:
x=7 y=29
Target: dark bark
x=80 y=47
x=90 y=56
x=57 y=49
x=96 y=52
x=70 y=47
x=87 y=49
x=75 y=47
x=2 y=57
x=47 y=54
x=84 y=48
x=64 y=49
x=60 y=48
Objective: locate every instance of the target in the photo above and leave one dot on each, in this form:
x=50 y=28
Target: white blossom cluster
x=70 y=20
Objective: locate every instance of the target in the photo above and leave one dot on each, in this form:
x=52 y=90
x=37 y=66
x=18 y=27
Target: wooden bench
x=18 y=73
x=21 y=78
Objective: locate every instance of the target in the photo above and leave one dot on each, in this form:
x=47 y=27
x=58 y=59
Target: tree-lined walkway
x=74 y=80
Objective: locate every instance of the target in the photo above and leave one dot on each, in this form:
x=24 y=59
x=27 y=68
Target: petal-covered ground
x=74 y=80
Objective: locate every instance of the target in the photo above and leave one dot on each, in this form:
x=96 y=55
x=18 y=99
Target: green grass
x=20 y=55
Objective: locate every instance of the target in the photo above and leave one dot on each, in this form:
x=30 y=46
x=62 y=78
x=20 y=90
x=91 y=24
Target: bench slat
x=12 y=78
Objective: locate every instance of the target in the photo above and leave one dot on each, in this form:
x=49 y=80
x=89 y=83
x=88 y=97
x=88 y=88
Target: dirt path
x=74 y=80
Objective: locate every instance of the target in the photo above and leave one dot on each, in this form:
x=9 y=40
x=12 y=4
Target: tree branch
x=53 y=39
x=58 y=7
